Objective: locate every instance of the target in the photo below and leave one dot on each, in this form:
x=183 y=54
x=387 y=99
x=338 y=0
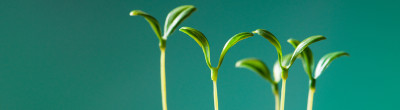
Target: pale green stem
x=215 y=95
x=275 y=90
x=310 y=98
x=283 y=94
x=276 y=101
x=163 y=82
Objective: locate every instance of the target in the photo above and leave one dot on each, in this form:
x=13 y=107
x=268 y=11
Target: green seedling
x=282 y=63
x=308 y=64
x=203 y=43
x=174 y=18
x=261 y=69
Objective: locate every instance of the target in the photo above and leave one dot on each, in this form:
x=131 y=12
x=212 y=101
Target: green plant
x=174 y=18
x=308 y=64
x=203 y=43
x=286 y=62
x=259 y=67
x=280 y=68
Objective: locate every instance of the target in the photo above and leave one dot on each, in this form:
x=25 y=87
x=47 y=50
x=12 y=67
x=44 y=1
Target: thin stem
x=310 y=98
x=276 y=101
x=163 y=82
x=215 y=95
x=283 y=94
x=275 y=90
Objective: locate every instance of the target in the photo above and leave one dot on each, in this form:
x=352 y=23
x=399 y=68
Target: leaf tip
x=183 y=28
x=256 y=31
x=291 y=40
x=189 y=6
x=321 y=37
x=345 y=54
x=135 y=12
x=342 y=53
x=239 y=63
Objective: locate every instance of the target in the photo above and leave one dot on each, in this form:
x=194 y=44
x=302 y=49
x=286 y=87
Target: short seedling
x=285 y=65
x=308 y=64
x=260 y=68
x=203 y=42
x=174 y=18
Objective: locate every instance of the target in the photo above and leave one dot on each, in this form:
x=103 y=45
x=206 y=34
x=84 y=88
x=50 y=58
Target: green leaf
x=176 y=17
x=257 y=66
x=306 y=56
x=326 y=60
x=201 y=40
x=273 y=40
x=278 y=69
x=303 y=45
x=152 y=21
x=231 y=42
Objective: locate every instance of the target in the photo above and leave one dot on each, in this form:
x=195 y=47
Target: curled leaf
x=257 y=66
x=201 y=40
x=306 y=57
x=273 y=40
x=152 y=21
x=176 y=17
x=303 y=45
x=231 y=42
x=326 y=60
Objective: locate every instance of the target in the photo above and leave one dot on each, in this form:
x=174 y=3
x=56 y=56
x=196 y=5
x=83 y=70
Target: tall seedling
x=203 y=43
x=174 y=18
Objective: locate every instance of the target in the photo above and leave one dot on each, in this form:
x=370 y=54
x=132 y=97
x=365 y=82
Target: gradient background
x=91 y=55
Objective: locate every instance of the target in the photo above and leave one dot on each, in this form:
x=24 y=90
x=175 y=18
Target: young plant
x=308 y=64
x=203 y=43
x=174 y=18
x=261 y=69
x=285 y=65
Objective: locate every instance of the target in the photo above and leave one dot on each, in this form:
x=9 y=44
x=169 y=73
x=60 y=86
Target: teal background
x=91 y=55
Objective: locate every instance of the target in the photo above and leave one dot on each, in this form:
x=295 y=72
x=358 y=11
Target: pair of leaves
x=174 y=18
x=299 y=49
x=306 y=56
x=284 y=62
x=203 y=42
x=260 y=68
x=308 y=61
x=303 y=45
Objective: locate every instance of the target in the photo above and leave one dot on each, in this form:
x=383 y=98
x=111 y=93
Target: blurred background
x=91 y=55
